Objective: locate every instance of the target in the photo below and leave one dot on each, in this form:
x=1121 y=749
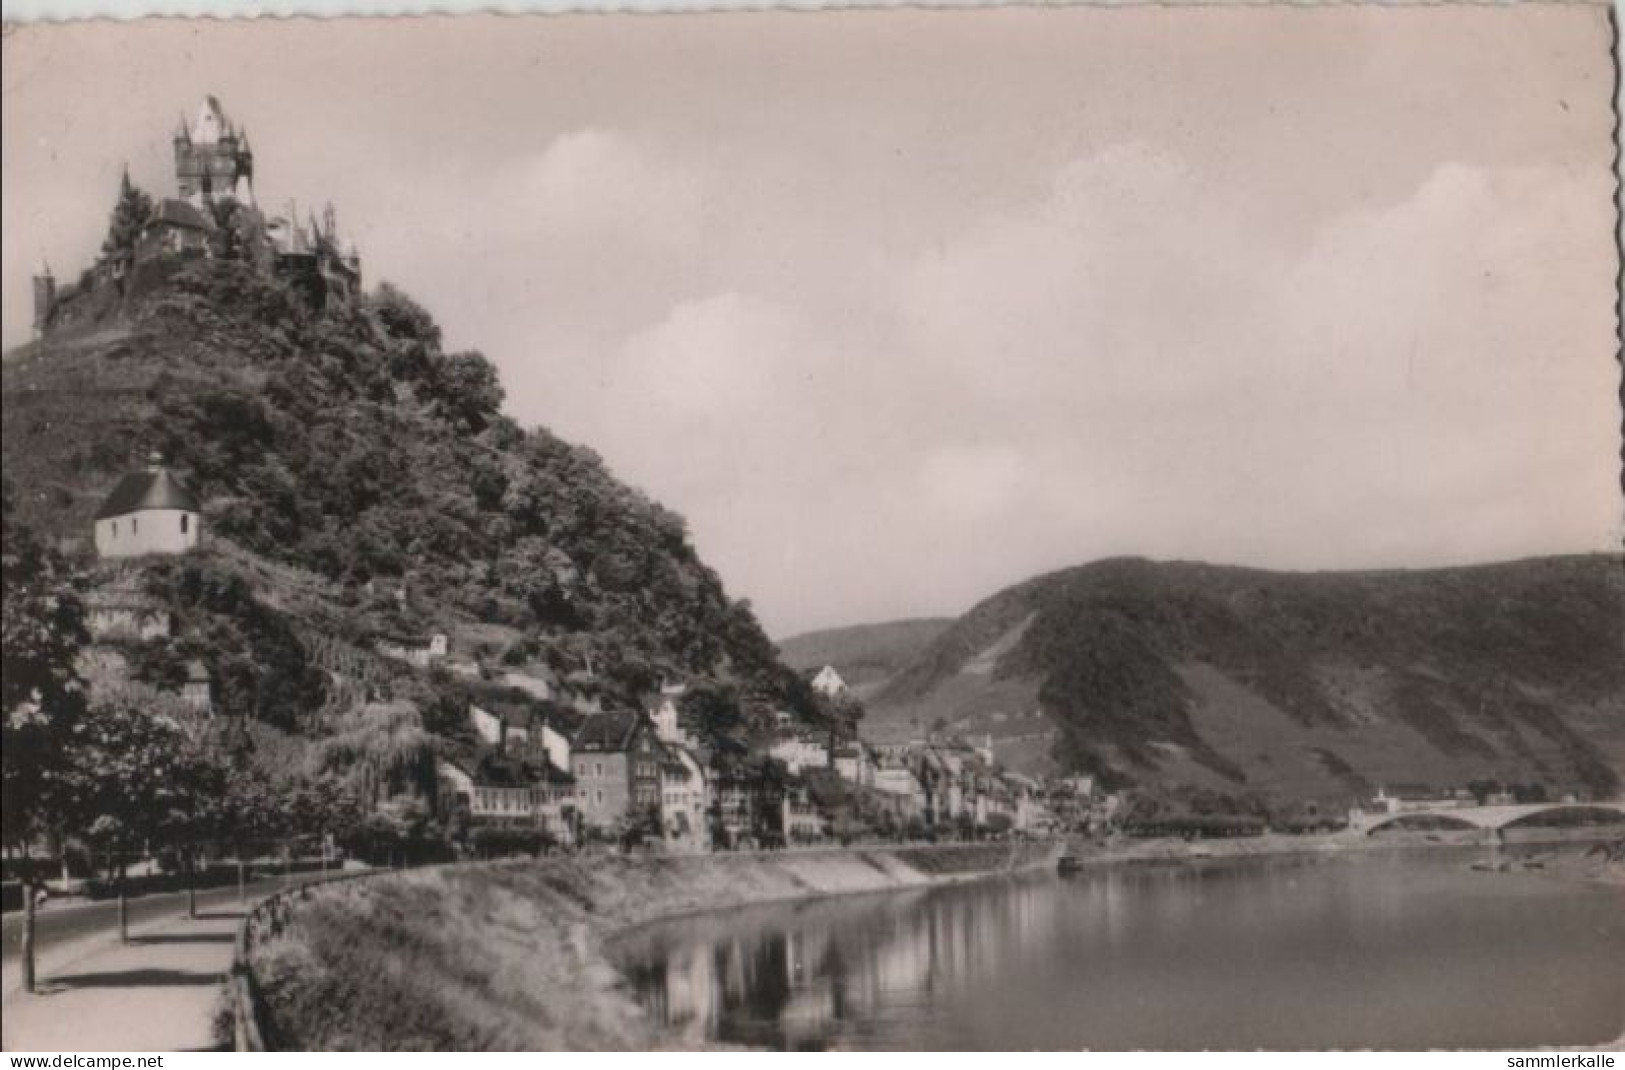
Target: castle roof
x=211 y=123
x=155 y=487
x=176 y=213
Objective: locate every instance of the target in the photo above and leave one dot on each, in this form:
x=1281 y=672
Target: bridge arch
x=1497 y=818
x=1573 y=815
x=1423 y=821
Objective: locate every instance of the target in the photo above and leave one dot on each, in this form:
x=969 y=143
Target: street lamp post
x=28 y=937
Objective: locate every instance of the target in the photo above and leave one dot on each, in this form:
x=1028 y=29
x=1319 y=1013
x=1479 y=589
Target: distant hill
x=1300 y=685
x=866 y=655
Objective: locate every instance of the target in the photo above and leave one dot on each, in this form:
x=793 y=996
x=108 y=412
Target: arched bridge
x=1490 y=817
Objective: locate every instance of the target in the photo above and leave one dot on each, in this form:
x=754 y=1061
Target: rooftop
x=612 y=730
x=177 y=213
x=154 y=487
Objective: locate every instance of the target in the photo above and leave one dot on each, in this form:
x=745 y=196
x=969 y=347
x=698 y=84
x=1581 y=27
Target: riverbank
x=511 y=956
x=1592 y=862
x=1564 y=853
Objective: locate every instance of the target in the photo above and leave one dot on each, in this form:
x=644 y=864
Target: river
x=1404 y=949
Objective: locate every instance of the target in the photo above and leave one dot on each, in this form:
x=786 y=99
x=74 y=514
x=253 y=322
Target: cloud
x=609 y=184
x=1111 y=280
x=1160 y=382
x=1116 y=366
x=1282 y=313
x=975 y=483
x=711 y=359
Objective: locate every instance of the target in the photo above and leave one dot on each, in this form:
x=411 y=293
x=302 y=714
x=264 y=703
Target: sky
x=900 y=307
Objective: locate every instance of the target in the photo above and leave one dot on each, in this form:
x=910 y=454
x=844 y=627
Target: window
x=185 y=521
x=135 y=524
x=115 y=529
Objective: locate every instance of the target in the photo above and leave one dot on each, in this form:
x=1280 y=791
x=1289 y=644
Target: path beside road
x=60 y=922
x=159 y=992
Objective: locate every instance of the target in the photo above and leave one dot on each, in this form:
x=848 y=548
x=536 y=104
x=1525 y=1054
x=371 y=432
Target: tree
x=323 y=807
x=638 y=826
x=495 y=841
x=130 y=215
x=400 y=830
x=1530 y=793
x=713 y=709
x=43 y=697
x=468 y=391
x=252 y=808
x=378 y=751
x=403 y=318
x=234 y=229
x=137 y=779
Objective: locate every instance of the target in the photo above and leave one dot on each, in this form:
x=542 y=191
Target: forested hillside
x=361 y=481
x=1301 y=684
x=866 y=655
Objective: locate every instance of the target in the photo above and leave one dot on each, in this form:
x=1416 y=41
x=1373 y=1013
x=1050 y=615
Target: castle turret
x=44 y=298
x=210 y=160
x=244 y=193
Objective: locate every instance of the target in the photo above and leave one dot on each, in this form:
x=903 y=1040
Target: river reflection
x=1389 y=950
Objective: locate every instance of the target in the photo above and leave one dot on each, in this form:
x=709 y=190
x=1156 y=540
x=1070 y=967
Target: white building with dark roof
x=827 y=682
x=149 y=512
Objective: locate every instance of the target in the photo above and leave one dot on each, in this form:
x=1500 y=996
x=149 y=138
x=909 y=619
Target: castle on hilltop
x=213 y=214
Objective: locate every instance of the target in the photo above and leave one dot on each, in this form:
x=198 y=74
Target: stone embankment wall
x=510 y=956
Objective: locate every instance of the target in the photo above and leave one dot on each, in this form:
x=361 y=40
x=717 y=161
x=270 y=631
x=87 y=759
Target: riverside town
x=993 y=529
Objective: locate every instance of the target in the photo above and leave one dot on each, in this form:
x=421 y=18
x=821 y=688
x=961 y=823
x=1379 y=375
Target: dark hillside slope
x=866 y=655
x=348 y=448
x=1325 y=683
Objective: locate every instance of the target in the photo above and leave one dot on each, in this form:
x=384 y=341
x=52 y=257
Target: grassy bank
x=1164 y=849
x=509 y=956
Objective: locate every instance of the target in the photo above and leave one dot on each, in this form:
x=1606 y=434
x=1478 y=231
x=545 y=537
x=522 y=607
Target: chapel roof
x=154 y=487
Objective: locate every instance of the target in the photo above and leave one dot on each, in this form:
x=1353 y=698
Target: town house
x=684 y=800
x=508 y=792
x=616 y=762
x=803 y=748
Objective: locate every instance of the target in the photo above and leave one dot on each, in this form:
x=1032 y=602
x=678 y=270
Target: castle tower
x=44 y=298
x=212 y=158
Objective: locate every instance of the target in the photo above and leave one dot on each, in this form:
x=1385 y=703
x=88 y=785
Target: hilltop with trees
x=359 y=483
